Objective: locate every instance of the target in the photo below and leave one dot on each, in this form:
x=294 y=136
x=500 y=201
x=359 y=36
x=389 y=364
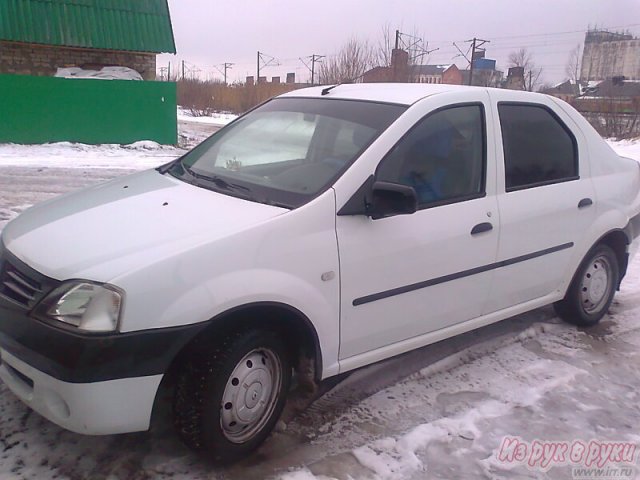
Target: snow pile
x=106 y=73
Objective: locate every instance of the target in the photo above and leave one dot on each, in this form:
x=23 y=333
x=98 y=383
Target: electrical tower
x=476 y=43
x=264 y=60
x=226 y=66
x=416 y=47
x=314 y=58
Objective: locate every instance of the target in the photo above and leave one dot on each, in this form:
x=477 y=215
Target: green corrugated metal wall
x=49 y=109
x=133 y=25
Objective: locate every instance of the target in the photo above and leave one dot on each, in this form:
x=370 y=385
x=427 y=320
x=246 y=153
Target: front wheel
x=592 y=288
x=229 y=396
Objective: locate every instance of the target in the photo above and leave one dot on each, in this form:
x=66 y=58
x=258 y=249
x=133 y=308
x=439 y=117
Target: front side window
x=442 y=157
x=538 y=148
x=288 y=150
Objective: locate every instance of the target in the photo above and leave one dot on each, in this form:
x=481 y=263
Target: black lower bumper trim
x=79 y=358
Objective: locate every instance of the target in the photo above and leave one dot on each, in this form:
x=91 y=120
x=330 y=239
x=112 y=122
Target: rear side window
x=538 y=148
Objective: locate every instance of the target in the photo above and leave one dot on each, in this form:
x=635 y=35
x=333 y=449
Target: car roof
x=401 y=93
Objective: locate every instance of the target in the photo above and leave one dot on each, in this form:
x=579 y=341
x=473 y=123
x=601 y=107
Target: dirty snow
x=437 y=412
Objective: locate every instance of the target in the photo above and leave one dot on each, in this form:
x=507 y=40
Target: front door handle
x=585 y=202
x=481 y=227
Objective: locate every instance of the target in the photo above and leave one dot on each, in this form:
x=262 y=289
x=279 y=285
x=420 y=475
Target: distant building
x=608 y=54
x=398 y=71
x=612 y=106
x=567 y=91
x=449 y=74
x=617 y=91
x=484 y=72
x=38 y=37
x=515 y=79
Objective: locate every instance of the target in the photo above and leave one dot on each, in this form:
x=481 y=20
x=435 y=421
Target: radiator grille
x=18 y=286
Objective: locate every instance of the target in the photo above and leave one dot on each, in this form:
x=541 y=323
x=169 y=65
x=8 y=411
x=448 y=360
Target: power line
x=631 y=25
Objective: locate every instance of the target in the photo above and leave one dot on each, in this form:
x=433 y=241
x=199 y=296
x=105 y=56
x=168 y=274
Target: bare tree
x=349 y=64
x=532 y=73
x=573 y=65
x=385 y=46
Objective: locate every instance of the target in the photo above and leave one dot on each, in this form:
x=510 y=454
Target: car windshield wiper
x=221 y=183
x=218 y=181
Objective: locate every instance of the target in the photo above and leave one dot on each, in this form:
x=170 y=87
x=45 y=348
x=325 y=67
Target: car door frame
x=579 y=244
x=368 y=163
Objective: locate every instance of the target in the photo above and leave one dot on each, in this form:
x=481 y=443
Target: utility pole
x=314 y=58
x=169 y=72
x=182 y=69
x=476 y=43
x=266 y=61
x=415 y=47
x=226 y=66
x=473 y=52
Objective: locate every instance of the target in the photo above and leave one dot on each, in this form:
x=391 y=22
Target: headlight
x=88 y=306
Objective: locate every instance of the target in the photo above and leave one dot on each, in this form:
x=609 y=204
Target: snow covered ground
x=218 y=119
x=439 y=412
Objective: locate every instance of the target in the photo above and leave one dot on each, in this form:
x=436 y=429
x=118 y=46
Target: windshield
x=288 y=150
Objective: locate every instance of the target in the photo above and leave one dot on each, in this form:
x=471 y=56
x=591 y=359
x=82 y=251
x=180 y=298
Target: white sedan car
x=325 y=230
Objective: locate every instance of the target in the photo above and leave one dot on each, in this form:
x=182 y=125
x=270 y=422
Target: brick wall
x=30 y=59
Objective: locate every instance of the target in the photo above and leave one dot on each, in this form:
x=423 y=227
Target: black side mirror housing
x=389 y=199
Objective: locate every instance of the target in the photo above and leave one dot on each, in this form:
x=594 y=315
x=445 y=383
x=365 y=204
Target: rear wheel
x=592 y=288
x=229 y=397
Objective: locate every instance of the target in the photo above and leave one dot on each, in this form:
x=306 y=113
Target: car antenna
x=326 y=90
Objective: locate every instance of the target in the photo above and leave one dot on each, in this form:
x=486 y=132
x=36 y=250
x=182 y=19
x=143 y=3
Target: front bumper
x=87 y=383
x=99 y=408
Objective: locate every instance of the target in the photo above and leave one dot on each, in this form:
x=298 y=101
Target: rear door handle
x=481 y=227
x=585 y=202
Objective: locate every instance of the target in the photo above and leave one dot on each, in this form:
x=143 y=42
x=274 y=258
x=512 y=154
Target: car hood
x=105 y=231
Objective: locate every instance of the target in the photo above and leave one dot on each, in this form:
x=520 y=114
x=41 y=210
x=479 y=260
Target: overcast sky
x=211 y=32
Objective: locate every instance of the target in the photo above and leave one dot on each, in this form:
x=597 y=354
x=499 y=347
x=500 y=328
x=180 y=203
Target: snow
x=627 y=148
x=219 y=119
x=144 y=154
x=437 y=412
x=105 y=73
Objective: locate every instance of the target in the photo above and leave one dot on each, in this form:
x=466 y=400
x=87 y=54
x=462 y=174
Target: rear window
x=538 y=148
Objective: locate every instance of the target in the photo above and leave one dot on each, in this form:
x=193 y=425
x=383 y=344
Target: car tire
x=229 y=397
x=592 y=288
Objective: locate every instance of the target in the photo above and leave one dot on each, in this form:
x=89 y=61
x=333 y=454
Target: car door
x=407 y=275
x=546 y=199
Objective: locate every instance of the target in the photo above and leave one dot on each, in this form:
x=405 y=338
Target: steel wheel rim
x=250 y=395
x=596 y=285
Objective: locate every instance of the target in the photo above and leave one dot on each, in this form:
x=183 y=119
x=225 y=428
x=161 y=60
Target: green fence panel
x=49 y=109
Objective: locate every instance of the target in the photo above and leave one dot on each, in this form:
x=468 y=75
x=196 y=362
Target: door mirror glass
x=389 y=199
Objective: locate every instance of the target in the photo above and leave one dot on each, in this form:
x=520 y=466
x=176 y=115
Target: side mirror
x=389 y=199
